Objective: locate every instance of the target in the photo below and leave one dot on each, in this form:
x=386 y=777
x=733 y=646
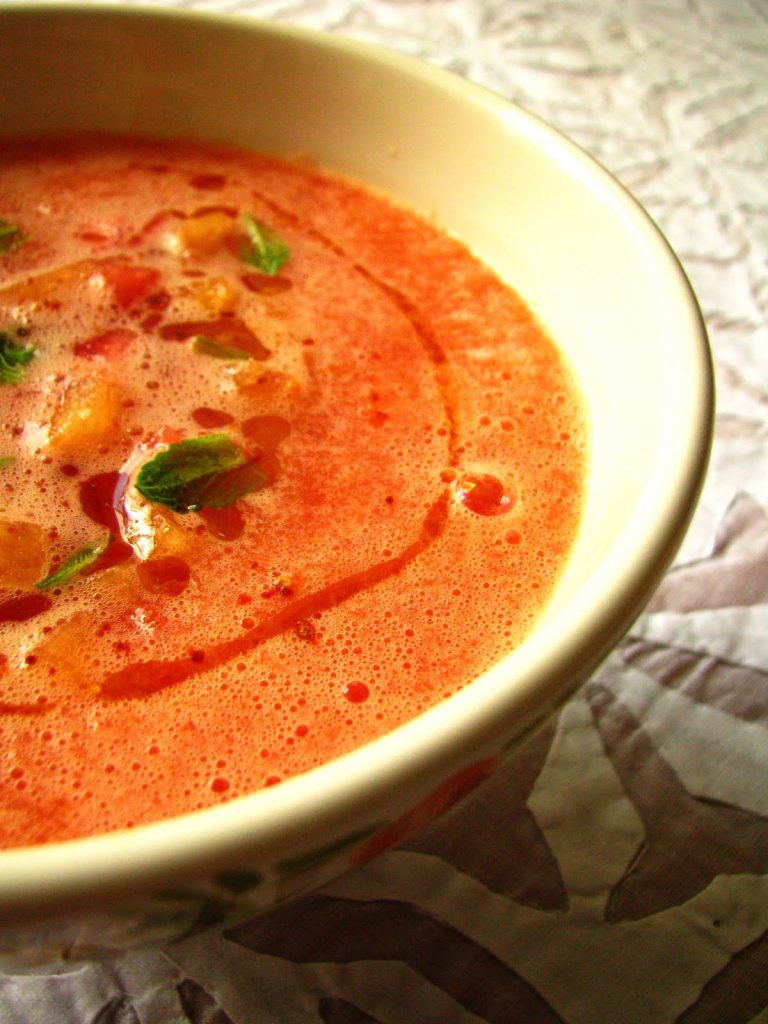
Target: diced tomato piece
x=110 y=345
x=129 y=283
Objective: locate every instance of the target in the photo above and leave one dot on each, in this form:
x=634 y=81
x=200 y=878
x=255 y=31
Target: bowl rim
x=34 y=880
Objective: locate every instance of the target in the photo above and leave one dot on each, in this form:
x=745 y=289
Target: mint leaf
x=265 y=250
x=210 y=347
x=224 y=489
x=206 y=471
x=13 y=359
x=10 y=236
x=73 y=566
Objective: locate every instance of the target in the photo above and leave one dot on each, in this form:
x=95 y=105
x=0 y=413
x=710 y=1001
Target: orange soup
x=282 y=465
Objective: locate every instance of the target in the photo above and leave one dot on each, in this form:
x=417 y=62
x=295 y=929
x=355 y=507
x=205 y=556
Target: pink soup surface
x=282 y=465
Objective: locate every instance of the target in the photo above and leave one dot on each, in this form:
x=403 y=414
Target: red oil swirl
x=229 y=331
x=484 y=494
x=211 y=419
x=101 y=497
x=145 y=677
x=356 y=693
x=116 y=552
x=26 y=606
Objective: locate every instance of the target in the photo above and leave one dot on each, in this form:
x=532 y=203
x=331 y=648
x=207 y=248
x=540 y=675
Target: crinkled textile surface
x=617 y=871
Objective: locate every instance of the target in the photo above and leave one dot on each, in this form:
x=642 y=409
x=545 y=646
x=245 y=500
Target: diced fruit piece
x=52 y=285
x=152 y=530
x=109 y=345
x=87 y=415
x=268 y=390
x=200 y=234
x=170 y=537
x=23 y=553
x=216 y=295
x=63 y=649
x=130 y=284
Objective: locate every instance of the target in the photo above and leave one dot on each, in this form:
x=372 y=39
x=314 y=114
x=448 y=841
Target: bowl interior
x=547 y=218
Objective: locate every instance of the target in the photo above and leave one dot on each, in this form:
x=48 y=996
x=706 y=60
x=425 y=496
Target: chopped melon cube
x=87 y=416
x=63 y=650
x=203 y=233
x=266 y=387
x=50 y=285
x=216 y=295
x=171 y=538
x=154 y=531
x=23 y=553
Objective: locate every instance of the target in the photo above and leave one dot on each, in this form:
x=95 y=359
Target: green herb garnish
x=13 y=359
x=73 y=566
x=211 y=347
x=265 y=250
x=6 y=460
x=10 y=236
x=208 y=471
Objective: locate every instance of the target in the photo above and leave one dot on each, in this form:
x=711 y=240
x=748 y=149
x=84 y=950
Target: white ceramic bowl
x=591 y=265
